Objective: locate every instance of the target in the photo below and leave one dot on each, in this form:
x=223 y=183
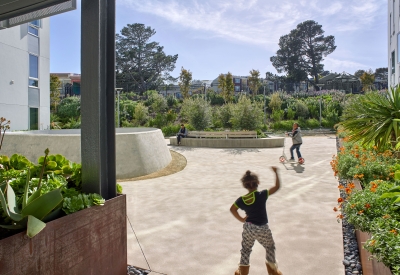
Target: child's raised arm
x=277 y=182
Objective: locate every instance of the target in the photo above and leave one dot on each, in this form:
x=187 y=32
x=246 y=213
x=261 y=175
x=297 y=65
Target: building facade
x=25 y=75
x=394 y=42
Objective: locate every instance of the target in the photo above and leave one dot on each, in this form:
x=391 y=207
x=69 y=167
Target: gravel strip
x=133 y=270
x=351 y=260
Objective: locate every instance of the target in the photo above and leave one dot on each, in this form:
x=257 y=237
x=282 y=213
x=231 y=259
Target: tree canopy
x=55 y=85
x=302 y=50
x=254 y=81
x=185 y=80
x=141 y=64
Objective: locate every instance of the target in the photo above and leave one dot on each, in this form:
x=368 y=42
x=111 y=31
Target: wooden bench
x=225 y=134
x=227 y=139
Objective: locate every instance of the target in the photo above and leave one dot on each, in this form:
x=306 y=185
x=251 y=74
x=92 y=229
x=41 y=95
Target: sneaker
x=291 y=159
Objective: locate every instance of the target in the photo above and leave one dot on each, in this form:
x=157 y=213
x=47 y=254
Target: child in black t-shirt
x=255 y=222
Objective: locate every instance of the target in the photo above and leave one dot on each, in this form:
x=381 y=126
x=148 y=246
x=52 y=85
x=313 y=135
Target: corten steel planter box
x=369 y=267
x=91 y=241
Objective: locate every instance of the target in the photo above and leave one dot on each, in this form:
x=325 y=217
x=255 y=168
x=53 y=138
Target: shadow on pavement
x=239 y=151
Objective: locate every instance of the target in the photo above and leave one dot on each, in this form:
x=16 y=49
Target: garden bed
x=357 y=259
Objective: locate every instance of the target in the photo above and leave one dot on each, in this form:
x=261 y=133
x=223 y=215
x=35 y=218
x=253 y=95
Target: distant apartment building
x=394 y=42
x=240 y=84
x=25 y=75
x=70 y=84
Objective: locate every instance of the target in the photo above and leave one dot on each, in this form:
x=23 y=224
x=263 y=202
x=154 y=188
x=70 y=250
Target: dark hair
x=249 y=180
x=183 y=125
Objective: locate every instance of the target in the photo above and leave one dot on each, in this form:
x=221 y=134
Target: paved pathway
x=184 y=225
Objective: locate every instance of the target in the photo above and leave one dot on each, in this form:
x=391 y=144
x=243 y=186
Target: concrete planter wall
x=139 y=151
x=91 y=241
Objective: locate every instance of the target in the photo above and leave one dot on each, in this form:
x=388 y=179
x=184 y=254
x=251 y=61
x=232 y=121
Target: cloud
x=337 y=65
x=260 y=22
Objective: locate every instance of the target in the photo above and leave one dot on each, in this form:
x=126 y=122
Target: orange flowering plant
x=365 y=164
x=369 y=210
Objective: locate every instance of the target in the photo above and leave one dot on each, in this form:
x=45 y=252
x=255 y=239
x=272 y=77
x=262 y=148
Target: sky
x=219 y=36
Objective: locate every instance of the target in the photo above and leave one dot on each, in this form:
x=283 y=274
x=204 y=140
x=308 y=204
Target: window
x=35 y=23
x=33 y=27
x=237 y=88
x=33 y=30
x=33 y=119
x=393 y=63
x=398 y=47
x=237 y=80
x=33 y=70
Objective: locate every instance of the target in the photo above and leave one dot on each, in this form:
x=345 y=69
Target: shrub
x=171 y=101
x=159 y=103
x=291 y=113
x=277 y=115
x=247 y=115
x=276 y=102
x=69 y=108
x=285 y=125
x=301 y=109
x=140 y=115
x=312 y=123
x=226 y=115
x=198 y=112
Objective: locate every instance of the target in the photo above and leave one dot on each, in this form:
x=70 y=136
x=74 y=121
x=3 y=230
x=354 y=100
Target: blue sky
x=217 y=36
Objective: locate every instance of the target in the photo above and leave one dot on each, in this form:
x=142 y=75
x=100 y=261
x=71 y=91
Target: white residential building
x=25 y=75
x=394 y=42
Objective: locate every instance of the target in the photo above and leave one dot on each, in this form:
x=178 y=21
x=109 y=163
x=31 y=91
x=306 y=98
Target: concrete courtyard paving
x=184 y=225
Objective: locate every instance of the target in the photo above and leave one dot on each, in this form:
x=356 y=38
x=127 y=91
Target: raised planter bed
x=370 y=266
x=91 y=241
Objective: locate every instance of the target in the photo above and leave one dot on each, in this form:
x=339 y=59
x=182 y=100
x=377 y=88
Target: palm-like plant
x=373 y=119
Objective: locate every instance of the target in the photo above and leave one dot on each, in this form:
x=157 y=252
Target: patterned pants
x=263 y=235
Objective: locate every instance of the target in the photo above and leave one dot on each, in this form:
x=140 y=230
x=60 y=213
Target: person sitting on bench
x=182 y=133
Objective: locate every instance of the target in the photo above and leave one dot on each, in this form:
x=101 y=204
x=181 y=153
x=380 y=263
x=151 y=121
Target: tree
x=359 y=73
x=230 y=88
x=367 y=80
x=141 y=64
x=55 y=85
x=302 y=50
x=254 y=81
x=381 y=73
x=222 y=85
x=185 y=79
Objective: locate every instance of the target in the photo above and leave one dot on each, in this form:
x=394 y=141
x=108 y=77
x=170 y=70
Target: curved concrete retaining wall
x=230 y=142
x=139 y=151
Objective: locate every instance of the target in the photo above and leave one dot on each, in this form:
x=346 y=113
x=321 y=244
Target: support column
x=97 y=97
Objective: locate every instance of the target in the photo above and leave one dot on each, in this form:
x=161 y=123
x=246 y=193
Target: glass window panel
x=33 y=82
x=398 y=47
x=35 y=23
x=33 y=119
x=33 y=31
x=33 y=66
x=393 y=62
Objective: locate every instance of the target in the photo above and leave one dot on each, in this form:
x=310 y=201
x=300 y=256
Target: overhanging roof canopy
x=16 y=12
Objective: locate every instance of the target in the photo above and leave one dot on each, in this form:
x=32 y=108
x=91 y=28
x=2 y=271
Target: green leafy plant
x=247 y=115
x=119 y=188
x=35 y=208
x=198 y=112
x=373 y=118
x=80 y=202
